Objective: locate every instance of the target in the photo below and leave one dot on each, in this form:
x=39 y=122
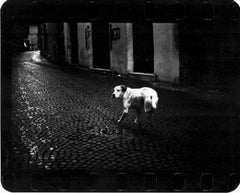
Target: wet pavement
x=65 y=119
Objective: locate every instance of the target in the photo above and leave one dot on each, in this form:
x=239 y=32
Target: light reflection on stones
x=34 y=120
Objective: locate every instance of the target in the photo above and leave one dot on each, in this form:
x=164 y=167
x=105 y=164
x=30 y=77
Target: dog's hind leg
x=137 y=116
x=148 y=104
x=150 y=116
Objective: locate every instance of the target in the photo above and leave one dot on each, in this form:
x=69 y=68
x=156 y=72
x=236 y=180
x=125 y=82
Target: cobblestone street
x=66 y=119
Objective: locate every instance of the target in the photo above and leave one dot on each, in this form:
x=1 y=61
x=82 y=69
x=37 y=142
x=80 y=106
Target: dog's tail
x=151 y=103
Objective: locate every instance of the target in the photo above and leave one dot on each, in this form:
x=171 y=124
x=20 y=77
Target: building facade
x=186 y=54
x=126 y=48
x=51 y=41
x=33 y=37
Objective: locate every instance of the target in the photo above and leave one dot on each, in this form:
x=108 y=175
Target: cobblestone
x=67 y=120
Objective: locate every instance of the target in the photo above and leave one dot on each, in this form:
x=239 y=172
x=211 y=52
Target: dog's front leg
x=137 y=116
x=125 y=111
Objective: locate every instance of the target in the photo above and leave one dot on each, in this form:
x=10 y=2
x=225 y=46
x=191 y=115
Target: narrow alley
x=66 y=119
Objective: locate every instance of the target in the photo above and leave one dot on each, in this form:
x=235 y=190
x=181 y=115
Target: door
x=143 y=47
x=74 y=42
x=101 y=50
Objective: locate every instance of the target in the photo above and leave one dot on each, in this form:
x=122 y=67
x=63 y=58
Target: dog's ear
x=124 y=88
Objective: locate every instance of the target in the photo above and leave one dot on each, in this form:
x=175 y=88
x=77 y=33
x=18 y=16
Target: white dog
x=138 y=99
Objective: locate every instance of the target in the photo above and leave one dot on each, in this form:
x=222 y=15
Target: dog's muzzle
x=113 y=96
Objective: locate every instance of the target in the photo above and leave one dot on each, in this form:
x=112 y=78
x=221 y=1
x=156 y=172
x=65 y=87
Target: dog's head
x=119 y=91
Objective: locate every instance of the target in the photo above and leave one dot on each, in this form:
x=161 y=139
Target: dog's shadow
x=140 y=129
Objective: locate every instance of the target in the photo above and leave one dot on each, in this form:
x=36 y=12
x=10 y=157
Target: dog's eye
x=118 y=90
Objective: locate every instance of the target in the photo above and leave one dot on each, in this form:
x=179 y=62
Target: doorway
x=143 y=47
x=101 y=48
x=74 y=42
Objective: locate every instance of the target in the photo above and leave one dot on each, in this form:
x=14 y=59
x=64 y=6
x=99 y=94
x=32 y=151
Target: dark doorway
x=101 y=51
x=74 y=42
x=60 y=49
x=45 y=39
x=143 y=47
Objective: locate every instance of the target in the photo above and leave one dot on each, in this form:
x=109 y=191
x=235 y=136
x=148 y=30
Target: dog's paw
x=119 y=120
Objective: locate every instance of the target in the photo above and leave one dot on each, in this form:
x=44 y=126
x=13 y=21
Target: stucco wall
x=166 y=53
x=85 y=44
x=118 y=53
x=67 y=43
x=130 y=60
